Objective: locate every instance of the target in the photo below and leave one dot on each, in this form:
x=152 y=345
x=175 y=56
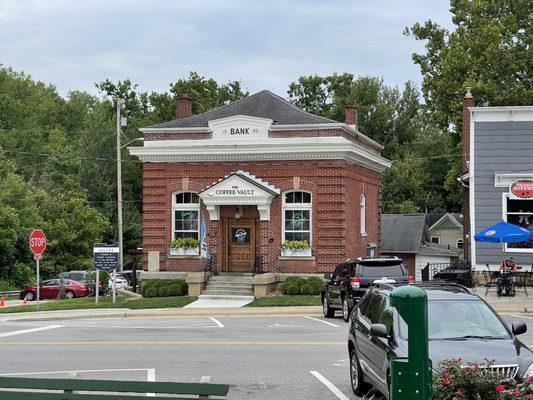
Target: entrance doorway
x=240 y=245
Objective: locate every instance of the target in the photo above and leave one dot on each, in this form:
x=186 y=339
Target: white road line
x=78 y=371
x=324 y=322
x=329 y=385
x=216 y=321
x=22 y=332
x=519 y=316
x=150 y=377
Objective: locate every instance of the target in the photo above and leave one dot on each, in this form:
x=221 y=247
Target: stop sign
x=37 y=242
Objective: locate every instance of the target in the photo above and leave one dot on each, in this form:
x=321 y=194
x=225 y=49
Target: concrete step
x=228 y=287
x=225 y=297
x=231 y=278
x=228 y=292
x=248 y=274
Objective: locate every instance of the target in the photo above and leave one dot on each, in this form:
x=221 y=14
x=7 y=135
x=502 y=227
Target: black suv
x=352 y=278
x=461 y=325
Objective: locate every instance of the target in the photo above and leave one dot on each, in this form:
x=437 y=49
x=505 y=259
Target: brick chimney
x=468 y=101
x=183 y=106
x=350 y=116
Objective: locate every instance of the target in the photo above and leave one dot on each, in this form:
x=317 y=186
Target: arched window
x=185 y=215
x=296 y=216
x=460 y=243
x=362 y=204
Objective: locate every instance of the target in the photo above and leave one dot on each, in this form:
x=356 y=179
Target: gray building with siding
x=499 y=179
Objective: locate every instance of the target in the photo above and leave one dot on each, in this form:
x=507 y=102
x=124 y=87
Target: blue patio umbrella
x=504 y=232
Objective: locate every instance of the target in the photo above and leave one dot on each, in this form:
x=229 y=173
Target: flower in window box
x=296 y=248
x=184 y=246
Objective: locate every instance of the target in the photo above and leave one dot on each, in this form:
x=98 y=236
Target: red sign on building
x=523 y=189
x=37 y=242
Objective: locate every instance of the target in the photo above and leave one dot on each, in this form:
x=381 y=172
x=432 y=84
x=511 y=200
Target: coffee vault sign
x=235 y=191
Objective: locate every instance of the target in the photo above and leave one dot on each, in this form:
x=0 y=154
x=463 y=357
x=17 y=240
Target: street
x=275 y=357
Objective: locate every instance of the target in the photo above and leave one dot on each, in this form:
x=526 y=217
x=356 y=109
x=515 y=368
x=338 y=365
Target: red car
x=51 y=288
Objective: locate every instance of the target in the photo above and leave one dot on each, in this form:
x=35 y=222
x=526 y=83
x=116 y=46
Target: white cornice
x=288 y=127
x=299 y=148
x=497 y=114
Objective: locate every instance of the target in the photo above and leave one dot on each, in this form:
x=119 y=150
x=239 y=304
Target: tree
x=489 y=50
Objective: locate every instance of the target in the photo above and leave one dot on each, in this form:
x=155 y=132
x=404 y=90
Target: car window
x=336 y=272
x=77 y=276
x=372 y=307
x=386 y=315
x=449 y=319
x=383 y=271
x=343 y=271
x=51 y=282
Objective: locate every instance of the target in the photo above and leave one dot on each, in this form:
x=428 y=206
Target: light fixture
x=238 y=212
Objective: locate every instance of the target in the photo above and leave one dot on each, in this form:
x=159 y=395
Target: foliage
x=296 y=245
x=489 y=50
x=458 y=380
x=186 y=243
x=150 y=292
x=285 y=301
x=162 y=288
x=295 y=285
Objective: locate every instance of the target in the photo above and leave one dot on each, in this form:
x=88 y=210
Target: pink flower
x=458 y=392
x=473 y=366
x=516 y=391
x=500 y=388
x=530 y=378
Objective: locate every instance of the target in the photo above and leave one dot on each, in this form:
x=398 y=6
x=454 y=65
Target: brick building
x=259 y=172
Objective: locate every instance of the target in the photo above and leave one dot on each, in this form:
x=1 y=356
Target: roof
x=249 y=178
x=263 y=104
x=433 y=249
x=435 y=218
x=402 y=232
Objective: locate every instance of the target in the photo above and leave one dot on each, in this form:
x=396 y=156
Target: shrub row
x=294 y=285
x=161 y=288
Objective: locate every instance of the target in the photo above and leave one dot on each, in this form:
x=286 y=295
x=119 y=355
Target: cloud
x=266 y=45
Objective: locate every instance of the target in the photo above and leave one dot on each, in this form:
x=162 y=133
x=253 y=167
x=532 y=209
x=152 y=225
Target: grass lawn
x=104 y=302
x=285 y=301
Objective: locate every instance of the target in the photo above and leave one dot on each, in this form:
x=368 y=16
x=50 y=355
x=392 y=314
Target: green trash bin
x=411 y=376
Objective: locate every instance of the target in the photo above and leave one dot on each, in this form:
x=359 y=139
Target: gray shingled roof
x=402 y=232
x=264 y=104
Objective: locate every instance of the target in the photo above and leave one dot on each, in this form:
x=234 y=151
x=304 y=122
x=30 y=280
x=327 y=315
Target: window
x=363 y=214
x=372 y=308
x=185 y=215
x=435 y=239
x=518 y=212
x=460 y=243
x=297 y=216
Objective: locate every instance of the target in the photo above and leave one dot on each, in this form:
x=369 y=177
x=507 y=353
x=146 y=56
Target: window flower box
x=184 y=247
x=296 y=248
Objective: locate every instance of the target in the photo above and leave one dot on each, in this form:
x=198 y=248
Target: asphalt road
x=285 y=357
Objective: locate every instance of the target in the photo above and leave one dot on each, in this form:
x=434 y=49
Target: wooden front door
x=240 y=239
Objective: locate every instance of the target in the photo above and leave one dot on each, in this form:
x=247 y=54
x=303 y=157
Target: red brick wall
x=335 y=186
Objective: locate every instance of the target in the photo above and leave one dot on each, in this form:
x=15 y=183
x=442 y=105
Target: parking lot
x=274 y=357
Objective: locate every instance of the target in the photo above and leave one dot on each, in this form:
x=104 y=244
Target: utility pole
x=119 y=187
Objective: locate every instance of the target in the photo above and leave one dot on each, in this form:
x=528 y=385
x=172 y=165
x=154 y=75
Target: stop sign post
x=37 y=241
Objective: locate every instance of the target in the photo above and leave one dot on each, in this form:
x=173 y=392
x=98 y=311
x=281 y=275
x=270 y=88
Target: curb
x=163 y=312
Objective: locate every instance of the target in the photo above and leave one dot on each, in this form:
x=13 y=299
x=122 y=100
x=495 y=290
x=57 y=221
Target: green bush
x=315 y=280
x=175 y=290
x=307 y=289
x=186 y=243
x=182 y=284
x=164 y=291
x=293 y=290
x=150 y=292
x=285 y=286
x=296 y=280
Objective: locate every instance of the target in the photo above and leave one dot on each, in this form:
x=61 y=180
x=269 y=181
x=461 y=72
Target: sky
x=266 y=44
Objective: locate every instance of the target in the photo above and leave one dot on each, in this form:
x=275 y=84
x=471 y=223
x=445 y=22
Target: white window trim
x=184 y=207
x=434 y=237
x=362 y=214
x=457 y=243
x=297 y=206
x=507 y=249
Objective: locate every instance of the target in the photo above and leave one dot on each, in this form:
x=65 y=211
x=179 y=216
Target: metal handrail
x=9 y=293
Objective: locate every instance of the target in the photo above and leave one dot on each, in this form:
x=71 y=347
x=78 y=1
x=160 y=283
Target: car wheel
x=345 y=310
x=356 y=375
x=328 y=311
x=29 y=296
x=69 y=295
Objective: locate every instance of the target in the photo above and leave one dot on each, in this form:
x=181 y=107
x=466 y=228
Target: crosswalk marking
x=24 y=331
